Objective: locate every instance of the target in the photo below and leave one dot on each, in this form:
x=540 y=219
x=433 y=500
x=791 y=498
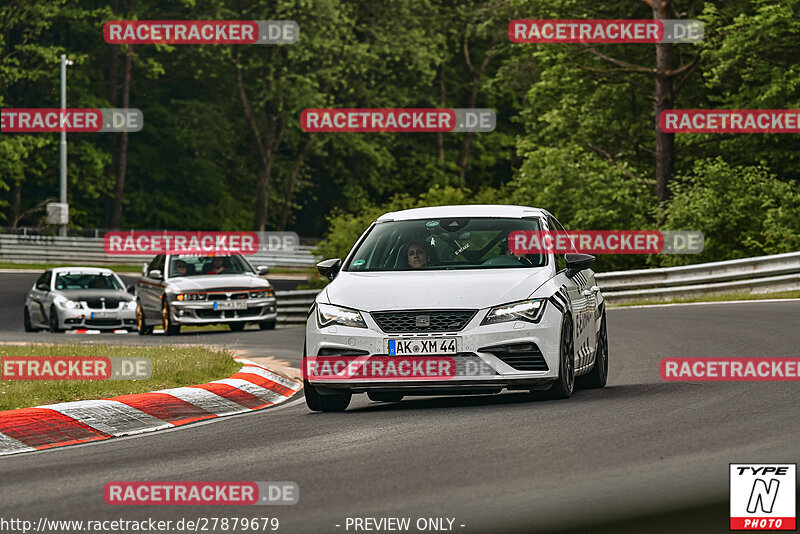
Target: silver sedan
x=199 y=290
x=78 y=297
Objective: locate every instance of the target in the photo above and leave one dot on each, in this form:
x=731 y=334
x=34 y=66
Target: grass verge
x=45 y=266
x=173 y=366
x=712 y=298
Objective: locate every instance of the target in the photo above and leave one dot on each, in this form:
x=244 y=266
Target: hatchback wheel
x=325 y=403
x=565 y=384
x=597 y=377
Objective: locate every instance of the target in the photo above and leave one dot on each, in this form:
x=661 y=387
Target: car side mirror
x=132 y=289
x=329 y=268
x=577 y=263
x=262 y=270
x=155 y=273
x=42 y=287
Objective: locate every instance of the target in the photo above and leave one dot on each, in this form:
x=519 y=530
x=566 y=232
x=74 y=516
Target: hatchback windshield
x=188 y=265
x=438 y=244
x=87 y=281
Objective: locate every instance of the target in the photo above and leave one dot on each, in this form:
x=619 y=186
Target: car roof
x=470 y=210
x=82 y=270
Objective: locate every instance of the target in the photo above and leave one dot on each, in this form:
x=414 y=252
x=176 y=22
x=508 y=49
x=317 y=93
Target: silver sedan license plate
x=230 y=305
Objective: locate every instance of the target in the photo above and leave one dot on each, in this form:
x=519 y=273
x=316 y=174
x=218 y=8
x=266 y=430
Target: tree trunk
x=111 y=169
x=298 y=165
x=663 y=100
x=16 y=204
x=119 y=187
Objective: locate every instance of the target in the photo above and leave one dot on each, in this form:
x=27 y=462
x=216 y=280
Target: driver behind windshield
x=418 y=255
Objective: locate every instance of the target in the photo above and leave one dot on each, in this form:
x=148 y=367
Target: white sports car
x=431 y=301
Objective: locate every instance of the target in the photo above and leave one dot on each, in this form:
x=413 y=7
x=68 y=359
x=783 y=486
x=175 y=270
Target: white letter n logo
x=763 y=495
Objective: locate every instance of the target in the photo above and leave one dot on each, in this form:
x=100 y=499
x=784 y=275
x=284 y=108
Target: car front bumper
x=481 y=362
x=97 y=319
x=203 y=312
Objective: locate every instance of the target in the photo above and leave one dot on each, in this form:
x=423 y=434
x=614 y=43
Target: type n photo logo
x=763 y=496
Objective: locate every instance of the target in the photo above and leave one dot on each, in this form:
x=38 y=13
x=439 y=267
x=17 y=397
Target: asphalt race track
x=639 y=455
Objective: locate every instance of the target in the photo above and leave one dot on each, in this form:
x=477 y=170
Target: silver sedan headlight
x=131 y=305
x=328 y=315
x=524 y=310
x=71 y=305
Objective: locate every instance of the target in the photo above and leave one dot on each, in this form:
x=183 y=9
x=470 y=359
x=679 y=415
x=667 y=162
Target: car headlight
x=131 y=305
x=72 y=305
x=262 y=294
x=191 y=296
x=524 y=310
x=328 y=315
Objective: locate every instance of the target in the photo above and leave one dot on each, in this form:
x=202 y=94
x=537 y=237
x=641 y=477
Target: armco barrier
x=765 y=274
x=51 y=249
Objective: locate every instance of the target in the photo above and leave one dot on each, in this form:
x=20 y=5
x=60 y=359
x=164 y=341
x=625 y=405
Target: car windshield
x=88 y=281
x=439 y=244
x=188 y=265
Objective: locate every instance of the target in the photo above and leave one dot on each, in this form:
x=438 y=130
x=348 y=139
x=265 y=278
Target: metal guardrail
x=765 y=274
x=52 y=249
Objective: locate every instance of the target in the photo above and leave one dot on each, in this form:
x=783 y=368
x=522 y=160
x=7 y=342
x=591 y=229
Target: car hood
x=216 y=281
x=471 y=289
x=82 y=294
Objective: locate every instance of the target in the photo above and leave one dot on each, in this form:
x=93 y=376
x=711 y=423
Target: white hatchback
x=431 y=301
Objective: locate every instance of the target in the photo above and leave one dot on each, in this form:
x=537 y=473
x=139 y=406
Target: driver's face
x=417 y=256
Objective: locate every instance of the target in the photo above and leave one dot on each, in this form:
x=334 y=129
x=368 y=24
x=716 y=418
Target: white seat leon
x=430 y=301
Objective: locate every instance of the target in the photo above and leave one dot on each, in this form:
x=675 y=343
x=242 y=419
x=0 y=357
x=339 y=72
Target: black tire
x=267 y=325
x=169 y=328
x=26 y=320
x=379 y=396
x=141 y=323
x=325 y=403
x=54 y=326
x=597 y=377
x=563 y=387
x=236 y=327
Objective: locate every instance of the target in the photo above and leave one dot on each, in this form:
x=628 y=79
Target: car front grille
x=520 y=356
x=103 y=322
x=423 y=320
x=224 y=296
x=107 y=304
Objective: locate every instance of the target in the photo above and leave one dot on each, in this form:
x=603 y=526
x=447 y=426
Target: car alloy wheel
x=141 y=326
x=597 y=377
x=169 y=328
x=565 y=384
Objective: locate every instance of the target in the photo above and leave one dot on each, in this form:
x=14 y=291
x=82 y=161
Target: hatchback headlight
x=72 y=305
x=524 y=310
x=328 y=315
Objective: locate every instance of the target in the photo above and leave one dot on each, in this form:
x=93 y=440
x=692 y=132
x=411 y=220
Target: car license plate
x=422 y=346
x=102 y=315
x=230 y=305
